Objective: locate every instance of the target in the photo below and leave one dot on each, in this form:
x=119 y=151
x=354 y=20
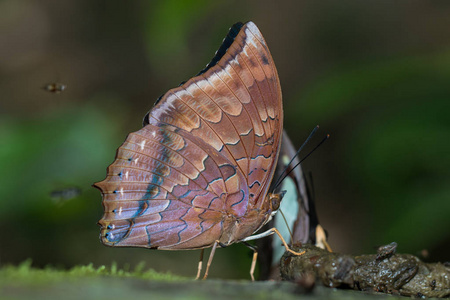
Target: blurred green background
x=373 y=74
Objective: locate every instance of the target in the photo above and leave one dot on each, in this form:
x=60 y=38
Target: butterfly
x=197 y=175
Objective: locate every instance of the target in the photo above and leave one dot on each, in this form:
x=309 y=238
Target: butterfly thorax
x=239 y=228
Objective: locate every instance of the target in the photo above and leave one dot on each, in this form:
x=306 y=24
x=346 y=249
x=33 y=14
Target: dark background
x=373 y=74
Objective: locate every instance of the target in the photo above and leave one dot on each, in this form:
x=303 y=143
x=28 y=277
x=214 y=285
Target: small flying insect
x=64 y=195
x=55 y=87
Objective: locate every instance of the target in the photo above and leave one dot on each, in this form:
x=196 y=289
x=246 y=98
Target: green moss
x=25 y=274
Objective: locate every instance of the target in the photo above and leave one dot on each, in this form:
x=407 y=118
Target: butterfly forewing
x=205 y=158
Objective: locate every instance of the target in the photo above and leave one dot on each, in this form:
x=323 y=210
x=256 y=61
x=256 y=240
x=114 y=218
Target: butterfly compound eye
x=275 y=200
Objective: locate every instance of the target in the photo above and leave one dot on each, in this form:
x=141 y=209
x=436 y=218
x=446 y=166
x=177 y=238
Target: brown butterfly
x=197 y=175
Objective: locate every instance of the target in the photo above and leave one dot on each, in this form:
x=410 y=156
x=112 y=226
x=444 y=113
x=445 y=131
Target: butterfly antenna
x=296 y=154
x=287 y=225
x=318 y=145
x=313 y=217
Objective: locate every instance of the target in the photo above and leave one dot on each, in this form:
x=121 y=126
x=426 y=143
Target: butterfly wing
x=235 y=106
x=206 y=152
x=166 y=188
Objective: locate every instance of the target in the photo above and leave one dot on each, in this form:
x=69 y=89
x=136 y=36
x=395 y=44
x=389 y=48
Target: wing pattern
x=204 y=158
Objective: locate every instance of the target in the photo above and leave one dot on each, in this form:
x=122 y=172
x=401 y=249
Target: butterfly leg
x=211 y=255
x=200 y=264
x=255 y=256
x=285 y=244
x=270 y=232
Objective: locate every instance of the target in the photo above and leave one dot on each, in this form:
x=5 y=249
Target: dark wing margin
x=226 y=43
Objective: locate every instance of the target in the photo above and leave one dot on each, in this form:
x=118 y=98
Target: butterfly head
x=275 y=201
